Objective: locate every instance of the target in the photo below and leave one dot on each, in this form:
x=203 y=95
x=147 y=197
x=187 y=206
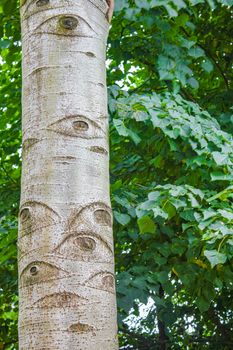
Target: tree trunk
x=66 y=262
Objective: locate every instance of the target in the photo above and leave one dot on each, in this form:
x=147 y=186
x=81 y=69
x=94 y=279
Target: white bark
x=66 y=263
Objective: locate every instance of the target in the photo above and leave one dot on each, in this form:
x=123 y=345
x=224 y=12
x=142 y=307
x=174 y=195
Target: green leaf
x=195 y=2
x=226 y=214
x=171 y=11
x=207 y=66
x=215 y=257
x=5 y=43
x=119 y=125
x=123 y=219
x=203 y=304
x=159 y=212
x=170 y=209
x=193 y=83
x=143 y=4
x=120 y=5
x=218 y=176
x=196 y=52
x=212 y=4
x=220 y=158
x=136 y=139
x=179 y=4
x=146 y=225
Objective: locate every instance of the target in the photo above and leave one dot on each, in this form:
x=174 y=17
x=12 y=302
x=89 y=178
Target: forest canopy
x=170 y=86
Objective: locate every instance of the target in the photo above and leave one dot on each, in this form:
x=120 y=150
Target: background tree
x=170 y=98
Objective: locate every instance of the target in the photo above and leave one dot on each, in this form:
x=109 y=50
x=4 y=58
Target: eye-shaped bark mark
x=34 y=270
x=90 y=54
x=94 y=213
x=68 y=22
x=77 y=126
x=85 y=246
x=25 y=222
x=39 y=272
x=98 y=149
x=25 y=215
x=35 y=215
x=81 y=328
x=67 y=25
x=41 y=3
x=103 y=281
x=102 y=217
x=28 y=143
x=80 y=125
x=60 y=300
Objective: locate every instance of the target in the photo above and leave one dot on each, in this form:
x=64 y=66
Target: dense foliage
x=171 y=131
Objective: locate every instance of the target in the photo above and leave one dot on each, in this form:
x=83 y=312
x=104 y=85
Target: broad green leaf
x=146 y=225
x=5 y=43
x=218 y=176
x=193 y=83
x=121 y=4
x=159 y=212
x=123 y=219
x=215 y=257
x=203 y=304
x=220 y=158
x=196 y=52
x=207 y=66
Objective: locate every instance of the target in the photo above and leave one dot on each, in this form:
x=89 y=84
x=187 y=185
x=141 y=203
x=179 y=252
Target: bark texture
x=66 y=261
